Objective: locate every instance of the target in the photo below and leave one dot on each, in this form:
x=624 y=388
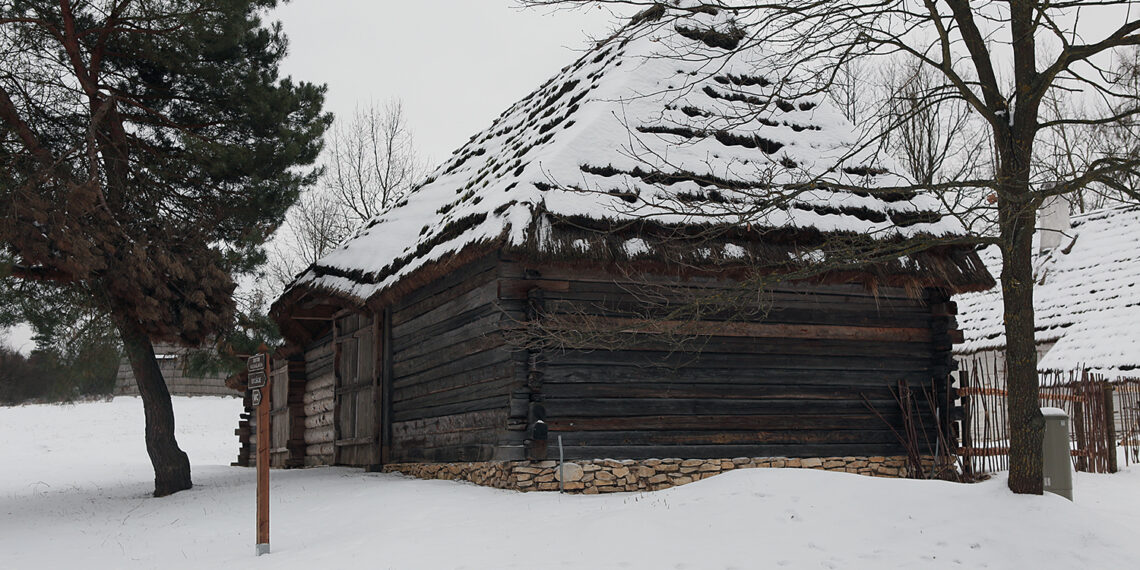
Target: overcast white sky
x=456 y=64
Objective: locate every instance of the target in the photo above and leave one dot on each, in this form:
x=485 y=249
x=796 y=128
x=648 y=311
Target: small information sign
x=256 y=363
x=256 y=397
x=256 y=379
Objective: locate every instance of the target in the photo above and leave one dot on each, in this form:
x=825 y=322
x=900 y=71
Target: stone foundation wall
x=611 y=476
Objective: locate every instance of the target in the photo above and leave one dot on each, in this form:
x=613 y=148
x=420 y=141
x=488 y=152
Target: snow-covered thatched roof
x=657 y=126
x=1086 y=299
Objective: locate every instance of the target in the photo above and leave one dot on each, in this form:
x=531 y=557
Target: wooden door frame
x=336 y=343
x=379 y=370
x=383 y=323
x=379 y=360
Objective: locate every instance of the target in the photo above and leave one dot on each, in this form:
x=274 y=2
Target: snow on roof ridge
x=654 y=121
x=1103 y=213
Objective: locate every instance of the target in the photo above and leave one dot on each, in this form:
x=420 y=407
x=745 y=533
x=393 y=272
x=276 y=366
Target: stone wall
x=609 y=475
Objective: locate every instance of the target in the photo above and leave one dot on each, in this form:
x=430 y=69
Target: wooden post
x=259 y=364
x=1078 y=420
x=338 y=383
x=379 y=346
x=1110 y=427
x=386 y=388
x=967 y=422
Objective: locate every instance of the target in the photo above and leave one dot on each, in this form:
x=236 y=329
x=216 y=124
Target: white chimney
x=1052 y=222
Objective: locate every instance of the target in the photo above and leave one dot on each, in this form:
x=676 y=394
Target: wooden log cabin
x=650 y=256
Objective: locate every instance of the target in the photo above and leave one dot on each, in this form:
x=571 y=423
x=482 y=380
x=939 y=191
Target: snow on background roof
x=1086 y=299
x=655 y=98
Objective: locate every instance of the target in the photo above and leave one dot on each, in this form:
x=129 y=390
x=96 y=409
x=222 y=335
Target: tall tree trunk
x=171 y=465
x=1026 y=424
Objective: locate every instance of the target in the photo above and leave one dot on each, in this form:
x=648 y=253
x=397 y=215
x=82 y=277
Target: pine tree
x=147 y=149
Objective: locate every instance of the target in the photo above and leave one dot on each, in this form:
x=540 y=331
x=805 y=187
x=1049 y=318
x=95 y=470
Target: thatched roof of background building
x=651 y=135
x=1086 y=299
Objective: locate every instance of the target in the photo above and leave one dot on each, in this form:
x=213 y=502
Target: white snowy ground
x=75 y=485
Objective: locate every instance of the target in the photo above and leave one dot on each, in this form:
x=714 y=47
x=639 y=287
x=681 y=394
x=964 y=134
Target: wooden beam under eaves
x=316 y=313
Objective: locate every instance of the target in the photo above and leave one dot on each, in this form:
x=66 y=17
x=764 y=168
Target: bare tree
x=852 y=91
x=926 y=127
x=1119 y=137
x=370 y=162
x=988 y=56
x=313 y=226
x=1069 y=149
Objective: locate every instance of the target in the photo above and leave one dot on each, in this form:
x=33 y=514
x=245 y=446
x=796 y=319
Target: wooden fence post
x=1110 y=427
x=967 y=422
x=1079 y=430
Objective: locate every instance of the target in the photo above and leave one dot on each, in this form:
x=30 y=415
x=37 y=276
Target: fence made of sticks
x=1103 y=415
x=1128 y=418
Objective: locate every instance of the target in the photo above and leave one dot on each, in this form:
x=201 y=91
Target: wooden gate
x=357 y=410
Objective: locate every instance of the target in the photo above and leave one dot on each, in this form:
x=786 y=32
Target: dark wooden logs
x=318 y=402
x=642 y=367
x=430 y=438
x=640 y=373
x=452 y=370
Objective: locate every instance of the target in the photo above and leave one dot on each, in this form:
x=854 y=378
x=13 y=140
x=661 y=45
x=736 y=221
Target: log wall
x=452 y=371
x=794 y=379
x=497 y=359
x=318 y=403
x=172 y=361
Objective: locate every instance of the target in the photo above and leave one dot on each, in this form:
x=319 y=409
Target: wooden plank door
x=357 y=433
x=287 y=412
x=279 y=417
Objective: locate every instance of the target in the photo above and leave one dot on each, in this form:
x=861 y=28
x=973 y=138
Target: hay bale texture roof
x=1086 y=299
x=654 y=127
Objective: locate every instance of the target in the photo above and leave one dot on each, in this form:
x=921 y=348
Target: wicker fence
x=1104 y=415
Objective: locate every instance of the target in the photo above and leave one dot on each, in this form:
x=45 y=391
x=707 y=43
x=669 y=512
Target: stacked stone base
x=611 y=476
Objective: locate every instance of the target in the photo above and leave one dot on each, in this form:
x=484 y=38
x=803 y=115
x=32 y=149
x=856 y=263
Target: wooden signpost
x=258 y=367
